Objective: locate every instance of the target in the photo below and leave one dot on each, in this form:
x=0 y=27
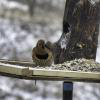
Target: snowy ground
x=21 y=38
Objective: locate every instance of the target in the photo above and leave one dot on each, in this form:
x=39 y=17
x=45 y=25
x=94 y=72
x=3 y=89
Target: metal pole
x=67 y=90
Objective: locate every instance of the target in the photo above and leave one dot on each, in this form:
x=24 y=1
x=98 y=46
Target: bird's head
x=40 y=47
x=49 y=45
x=40 y=44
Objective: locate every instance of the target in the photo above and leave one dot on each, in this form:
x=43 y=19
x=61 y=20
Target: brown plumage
x=49 y=45
x=41 y=55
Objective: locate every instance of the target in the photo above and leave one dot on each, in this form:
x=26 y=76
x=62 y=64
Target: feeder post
x=67 y=91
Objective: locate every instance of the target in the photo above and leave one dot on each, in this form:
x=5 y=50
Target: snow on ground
x=98 y=55
x=16 y=89
x=13 y=5
x=98 y=49
x=15 y=36
x=86 y=91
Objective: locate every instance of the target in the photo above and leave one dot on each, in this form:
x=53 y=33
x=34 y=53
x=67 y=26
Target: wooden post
x=67 y=90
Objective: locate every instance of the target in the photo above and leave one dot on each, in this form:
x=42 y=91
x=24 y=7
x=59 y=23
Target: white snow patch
x=93 y=1
x=13 y=5
x=98 y=49
x=65 y=41
x=98 y=55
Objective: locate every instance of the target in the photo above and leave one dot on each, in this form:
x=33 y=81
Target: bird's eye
x=39 y=44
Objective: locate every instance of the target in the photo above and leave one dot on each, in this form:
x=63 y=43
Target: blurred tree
x=20 y=1
x=31 y=5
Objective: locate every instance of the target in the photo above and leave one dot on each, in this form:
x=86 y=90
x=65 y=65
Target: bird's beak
x=43 y=46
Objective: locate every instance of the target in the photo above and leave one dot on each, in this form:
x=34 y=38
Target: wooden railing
x=28 y=70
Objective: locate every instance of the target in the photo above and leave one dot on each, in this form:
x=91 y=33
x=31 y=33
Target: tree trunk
x=80 y=31
x=31 y=6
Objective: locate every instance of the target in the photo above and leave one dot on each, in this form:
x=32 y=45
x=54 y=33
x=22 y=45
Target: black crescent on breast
x=45 y=56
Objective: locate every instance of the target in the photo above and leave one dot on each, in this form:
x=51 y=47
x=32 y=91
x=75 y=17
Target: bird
x=41 y=55
x=49 y=45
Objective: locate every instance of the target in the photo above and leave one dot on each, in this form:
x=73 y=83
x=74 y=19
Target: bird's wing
x=33 y=52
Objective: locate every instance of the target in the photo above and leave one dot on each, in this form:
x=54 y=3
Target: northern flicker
x=49 y=45
x=42 y=55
